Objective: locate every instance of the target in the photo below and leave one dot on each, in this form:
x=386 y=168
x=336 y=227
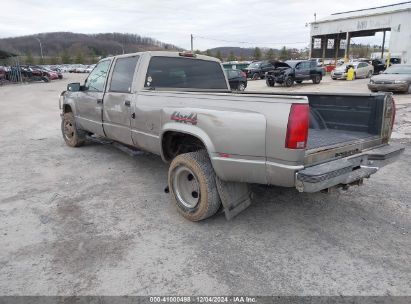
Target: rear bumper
x=346 y=171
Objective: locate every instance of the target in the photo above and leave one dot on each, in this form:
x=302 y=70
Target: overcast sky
x=212 y=22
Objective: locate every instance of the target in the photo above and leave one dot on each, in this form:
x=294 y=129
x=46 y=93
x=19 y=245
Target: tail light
x=297 y=128
x=393 y=113
x=243 y=74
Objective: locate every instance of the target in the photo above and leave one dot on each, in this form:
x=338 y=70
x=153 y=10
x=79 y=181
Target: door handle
x=99 y=100
x=127 y=103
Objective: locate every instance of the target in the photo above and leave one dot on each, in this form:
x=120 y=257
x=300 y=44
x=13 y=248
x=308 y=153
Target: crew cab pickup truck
x=291 y=71
x=179 y=106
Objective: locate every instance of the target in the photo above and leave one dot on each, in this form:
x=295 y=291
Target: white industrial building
x=330 y=37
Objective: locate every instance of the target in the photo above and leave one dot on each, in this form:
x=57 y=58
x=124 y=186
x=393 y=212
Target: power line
x=247 y=42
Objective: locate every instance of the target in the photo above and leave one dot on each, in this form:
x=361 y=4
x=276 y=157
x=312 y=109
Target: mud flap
x=235 y=197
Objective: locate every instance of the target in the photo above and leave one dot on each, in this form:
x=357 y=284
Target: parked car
x=237 y=79
x=318 y=61
x=294 y=70
x=50 y=74
x=258 y=69
x=179 y=106
x=396 y=78
x=361 y=70
x=2 y=73
x=378 y=64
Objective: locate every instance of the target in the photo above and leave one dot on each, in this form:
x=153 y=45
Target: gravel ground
x=95 y=221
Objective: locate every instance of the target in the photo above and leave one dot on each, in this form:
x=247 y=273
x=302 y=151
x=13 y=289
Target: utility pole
x=41 y=48
x=192 y=48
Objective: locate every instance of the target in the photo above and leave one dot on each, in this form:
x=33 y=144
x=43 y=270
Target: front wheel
x=289 y=81
x=191 y=180
x=241 y=86
x=72 y=136
x=269 y=82
x=317 y=79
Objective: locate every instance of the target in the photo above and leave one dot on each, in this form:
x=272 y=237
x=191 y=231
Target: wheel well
x=67 y=108
x=176 y=143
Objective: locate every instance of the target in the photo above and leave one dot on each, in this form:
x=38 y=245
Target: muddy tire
x=72 y=136
x=191 y=180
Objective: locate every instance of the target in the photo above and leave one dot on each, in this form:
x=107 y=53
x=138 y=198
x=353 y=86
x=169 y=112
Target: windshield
x=400 y=69
x=254 y=65
x=292 y=63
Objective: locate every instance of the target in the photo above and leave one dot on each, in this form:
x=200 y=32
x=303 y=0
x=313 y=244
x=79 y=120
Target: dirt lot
x=94 y=220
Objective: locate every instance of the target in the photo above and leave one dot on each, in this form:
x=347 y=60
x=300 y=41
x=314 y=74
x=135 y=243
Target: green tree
x=231 y=57
x=41 y=61
x=209 y=53
x=79 y=58
x=242 y=57
x=29 y=58
x=270 y=54
x=219 y=56
x=257 y=53
x=284 y=53
x=55 y=60
x=65 y=57
x=197 y=52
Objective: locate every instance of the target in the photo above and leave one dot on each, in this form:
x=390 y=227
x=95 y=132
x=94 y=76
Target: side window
x=97 y=78
x=123 y=72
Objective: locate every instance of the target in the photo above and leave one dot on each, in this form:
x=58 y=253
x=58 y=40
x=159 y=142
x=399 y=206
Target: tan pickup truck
x=179 y=106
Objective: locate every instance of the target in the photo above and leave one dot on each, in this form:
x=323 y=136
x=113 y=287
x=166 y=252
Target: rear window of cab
x=191 y=73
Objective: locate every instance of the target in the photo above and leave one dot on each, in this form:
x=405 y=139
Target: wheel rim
x=186 y=187
x=68 y=130
x=241 y=87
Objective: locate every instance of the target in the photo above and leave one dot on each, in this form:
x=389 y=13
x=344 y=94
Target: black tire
x=289 y=81
x=299 y=81
x=316 y=79
x=192 y=173
x=269 y=83
x=241 y=86
x=72 y=136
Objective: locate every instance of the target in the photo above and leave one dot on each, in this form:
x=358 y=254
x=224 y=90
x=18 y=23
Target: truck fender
x=187 y=129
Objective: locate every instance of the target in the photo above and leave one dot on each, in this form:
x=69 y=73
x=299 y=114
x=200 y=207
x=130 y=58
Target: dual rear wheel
x=192 y=184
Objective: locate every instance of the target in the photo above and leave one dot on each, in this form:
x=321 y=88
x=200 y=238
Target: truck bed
x=326 y=138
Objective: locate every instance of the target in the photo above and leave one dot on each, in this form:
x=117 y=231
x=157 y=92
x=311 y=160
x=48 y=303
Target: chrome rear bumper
x=346 y=171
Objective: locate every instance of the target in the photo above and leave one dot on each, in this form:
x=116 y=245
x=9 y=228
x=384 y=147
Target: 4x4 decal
x=190 y=118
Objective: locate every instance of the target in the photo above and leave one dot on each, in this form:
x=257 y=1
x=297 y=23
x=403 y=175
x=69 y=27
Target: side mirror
x=73 y=87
